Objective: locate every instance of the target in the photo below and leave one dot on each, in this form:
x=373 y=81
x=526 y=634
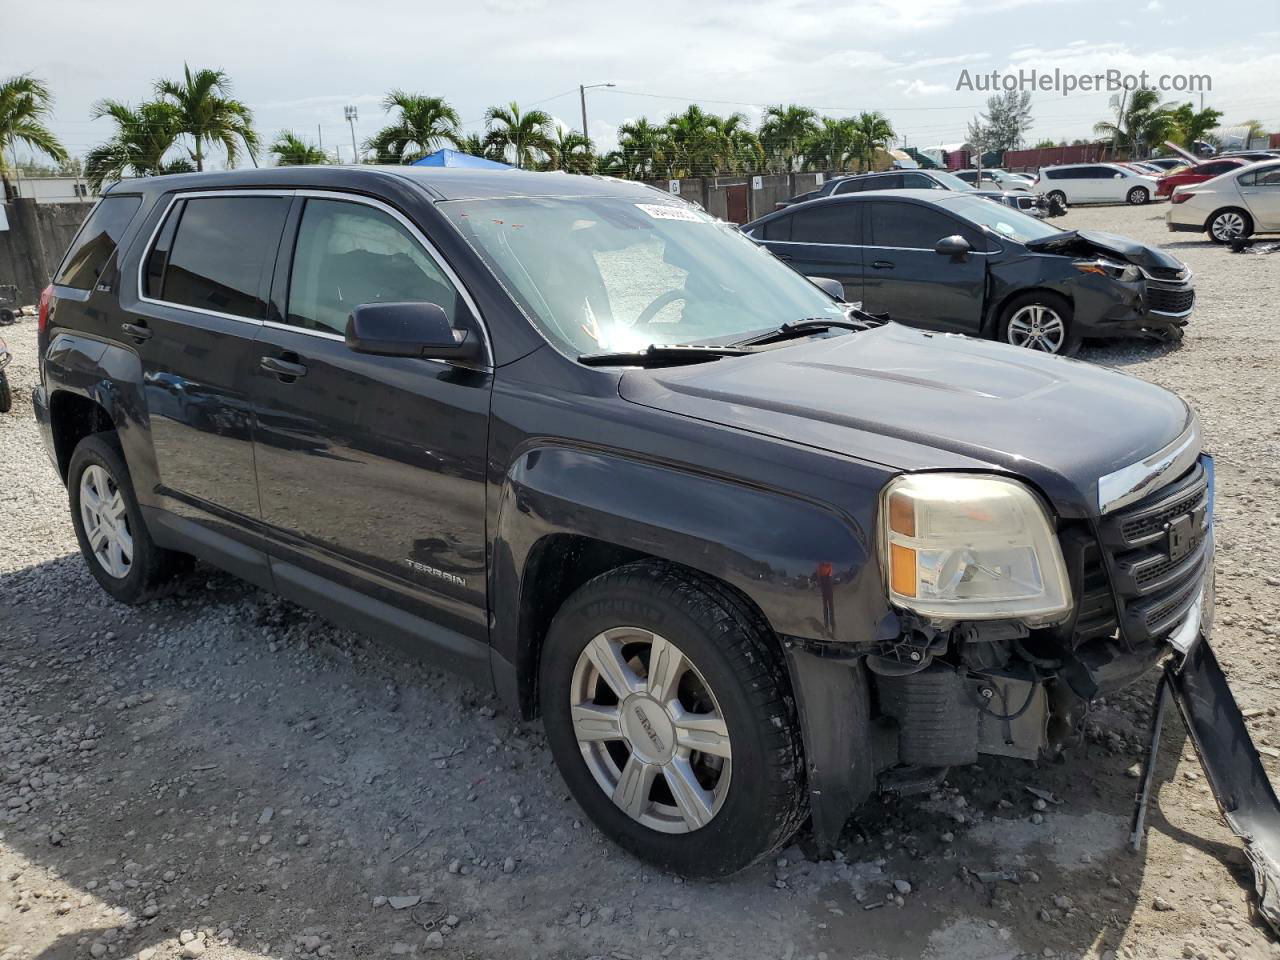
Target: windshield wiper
x=664 y=354
x=802 y=328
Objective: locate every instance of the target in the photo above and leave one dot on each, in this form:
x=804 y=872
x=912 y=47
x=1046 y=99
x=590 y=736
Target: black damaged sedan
x=962 y=264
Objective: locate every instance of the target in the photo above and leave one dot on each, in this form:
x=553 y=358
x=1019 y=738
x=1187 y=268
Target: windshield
x=618 y=274
x=951 y=181
x=1002 y=220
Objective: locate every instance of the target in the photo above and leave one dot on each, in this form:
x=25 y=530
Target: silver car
x=1230 y=207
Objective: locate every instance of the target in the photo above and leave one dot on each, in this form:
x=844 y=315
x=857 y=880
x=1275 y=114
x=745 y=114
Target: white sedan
x=1231 y=206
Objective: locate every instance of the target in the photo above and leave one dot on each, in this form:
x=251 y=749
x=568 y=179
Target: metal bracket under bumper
x=1231 y=764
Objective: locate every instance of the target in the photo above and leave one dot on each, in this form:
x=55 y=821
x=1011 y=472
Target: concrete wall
x=32 y=247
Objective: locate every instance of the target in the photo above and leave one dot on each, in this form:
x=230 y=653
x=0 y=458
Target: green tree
x=1187 y=124
x=1141 y=122
x=524 y=137
x=143 y=139
x=209 y=114
x=25 y=103
x=740 y=149
x=1006 y=121
x=643 y=151
x=783 y=130
x=832 y=146
x=873 y=132
x=573 y=152
x=290 y=150
x=425 y=124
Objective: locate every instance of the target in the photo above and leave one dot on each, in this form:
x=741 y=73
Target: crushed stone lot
x=222 y=774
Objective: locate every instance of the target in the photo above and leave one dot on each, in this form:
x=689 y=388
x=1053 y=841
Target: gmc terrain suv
x=749 y=554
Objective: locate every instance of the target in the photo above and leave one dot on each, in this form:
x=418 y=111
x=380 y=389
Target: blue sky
x=297 y=63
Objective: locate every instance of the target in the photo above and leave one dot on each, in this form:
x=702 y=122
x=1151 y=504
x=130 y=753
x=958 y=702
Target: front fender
x=811 y=570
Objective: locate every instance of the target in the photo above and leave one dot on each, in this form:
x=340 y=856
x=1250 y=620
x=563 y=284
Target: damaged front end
x=931 y=693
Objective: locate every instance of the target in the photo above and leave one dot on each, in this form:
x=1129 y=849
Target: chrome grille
x=1157 y=551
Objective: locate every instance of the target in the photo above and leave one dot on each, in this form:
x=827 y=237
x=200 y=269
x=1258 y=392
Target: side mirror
x=834 y=288
x=410 y=329
x=955 y=246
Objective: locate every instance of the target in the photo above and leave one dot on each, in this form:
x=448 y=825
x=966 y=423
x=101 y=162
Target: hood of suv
x=916 y=400
x=1085 y=243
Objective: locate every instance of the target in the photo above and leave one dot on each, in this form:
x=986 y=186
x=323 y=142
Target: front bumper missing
x=1195 y=682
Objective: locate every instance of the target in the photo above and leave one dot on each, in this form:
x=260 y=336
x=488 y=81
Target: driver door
x=371 y=470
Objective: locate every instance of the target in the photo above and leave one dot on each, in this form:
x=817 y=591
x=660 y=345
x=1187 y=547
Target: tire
x=1138 y=196
x=7 y=316
x=150 y=571
x=1018 y=323
x=1056 y=196
x=6 y=394
x=1227 y=224
x=732 y=680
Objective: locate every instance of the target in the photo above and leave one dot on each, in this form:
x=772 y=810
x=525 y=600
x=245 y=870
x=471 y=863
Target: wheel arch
x=1228 y=208
x=995 y=313
x=566 y=515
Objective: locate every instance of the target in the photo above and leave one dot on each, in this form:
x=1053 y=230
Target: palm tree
x=873 y=132
x=643 y=151
x=425 y=125
x=290 y=150
x=25 y=103
x=740 y=147
x=833 y=146
x=783 y=129
x=209 y=115
x=520 y=136
x=1188 y=125
x=143 y=138
x=573 y=152
x=1140 y=120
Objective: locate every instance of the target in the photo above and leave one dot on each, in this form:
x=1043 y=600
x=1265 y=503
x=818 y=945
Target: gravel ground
x=223 y=774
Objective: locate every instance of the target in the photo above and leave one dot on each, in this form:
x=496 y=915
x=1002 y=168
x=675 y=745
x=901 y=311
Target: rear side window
x=219 y=254
x=826 y=223
x=1054 y=174
x=915 y=226
x=850 y=186
x=779 y=229
x=96 y=241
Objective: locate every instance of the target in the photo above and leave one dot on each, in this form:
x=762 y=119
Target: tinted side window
x=96 y=241
x=850 y=186
x=827 y=223
x=915 y=225
x=222 y=254
x=1055 y=174
x=779 y=229
x=350 y=253
x=1268 y=178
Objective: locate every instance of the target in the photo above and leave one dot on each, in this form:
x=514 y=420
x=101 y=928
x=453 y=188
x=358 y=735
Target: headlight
x=966 y=547
x=1109 y=268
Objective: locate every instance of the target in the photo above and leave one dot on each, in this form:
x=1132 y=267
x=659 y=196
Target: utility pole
x=582 y=95
x=352 y=116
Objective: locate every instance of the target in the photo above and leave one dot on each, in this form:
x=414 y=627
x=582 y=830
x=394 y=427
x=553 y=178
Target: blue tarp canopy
x=452 y=158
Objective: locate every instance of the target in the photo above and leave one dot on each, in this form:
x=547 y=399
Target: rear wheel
x=668 y=710
x=113 y=538
x=1138 y=196
x=1042 y=321
x=1230 y=224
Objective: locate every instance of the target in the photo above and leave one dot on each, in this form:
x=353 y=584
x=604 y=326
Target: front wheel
x=1057 y=197
x=1040 y=321
x=1138 y=196
x=668 y=710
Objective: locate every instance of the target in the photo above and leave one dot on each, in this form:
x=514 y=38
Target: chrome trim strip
x=1130 y=484
x=1164 y=313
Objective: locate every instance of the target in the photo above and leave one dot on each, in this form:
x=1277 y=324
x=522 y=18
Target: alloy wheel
x=1228 y=226
x=1138 y=196
x=650 y=730
x=1037 y=327
x=106 y=521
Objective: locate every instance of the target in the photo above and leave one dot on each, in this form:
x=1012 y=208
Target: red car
x=1200 y=172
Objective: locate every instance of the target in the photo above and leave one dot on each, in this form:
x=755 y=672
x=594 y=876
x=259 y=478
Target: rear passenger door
x=371 y=469
x=904 y=277
x=822 y=240
x=203 y=283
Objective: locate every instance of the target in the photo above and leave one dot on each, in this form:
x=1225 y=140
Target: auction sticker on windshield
x=663 y=211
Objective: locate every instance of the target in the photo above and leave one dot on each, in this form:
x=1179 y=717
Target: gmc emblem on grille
x=1183 y=536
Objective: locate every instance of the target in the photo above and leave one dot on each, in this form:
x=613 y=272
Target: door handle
x=881 y=265
x=286 y=370
x=138 y=331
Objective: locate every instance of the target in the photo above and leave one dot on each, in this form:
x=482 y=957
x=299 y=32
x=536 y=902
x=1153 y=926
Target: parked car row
x=958 y=263
x=751 y=556
x=1019 y=199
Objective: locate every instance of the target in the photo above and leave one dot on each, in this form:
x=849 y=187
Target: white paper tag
x=664 y=211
